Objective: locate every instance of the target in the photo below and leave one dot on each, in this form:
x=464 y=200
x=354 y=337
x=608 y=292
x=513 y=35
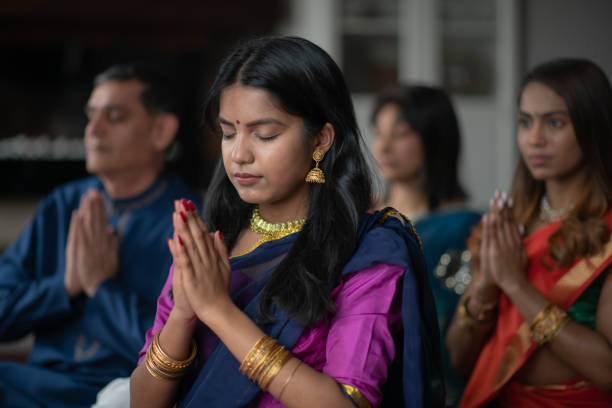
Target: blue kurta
x=82 y=344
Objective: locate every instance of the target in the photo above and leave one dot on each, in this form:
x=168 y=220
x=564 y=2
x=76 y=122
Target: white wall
x=568 y=28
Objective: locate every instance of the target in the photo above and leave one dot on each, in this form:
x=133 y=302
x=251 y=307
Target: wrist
x=180 y=319
x=515 y=285
x=218 y=315
x=485 y=292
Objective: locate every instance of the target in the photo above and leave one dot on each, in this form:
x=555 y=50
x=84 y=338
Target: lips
x=246 y=179
x=538 y=160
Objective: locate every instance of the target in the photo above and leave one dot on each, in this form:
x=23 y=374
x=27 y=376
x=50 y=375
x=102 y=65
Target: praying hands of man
x=92 y=252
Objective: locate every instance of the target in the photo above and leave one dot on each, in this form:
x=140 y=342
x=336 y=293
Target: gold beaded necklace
x=274 y=231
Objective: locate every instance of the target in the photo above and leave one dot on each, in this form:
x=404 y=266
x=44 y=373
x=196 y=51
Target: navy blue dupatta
x=415 y=378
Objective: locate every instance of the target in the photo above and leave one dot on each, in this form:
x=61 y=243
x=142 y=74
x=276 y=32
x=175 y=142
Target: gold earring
x=316 y=175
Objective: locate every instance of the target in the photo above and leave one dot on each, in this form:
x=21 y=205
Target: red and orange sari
x=510 y=345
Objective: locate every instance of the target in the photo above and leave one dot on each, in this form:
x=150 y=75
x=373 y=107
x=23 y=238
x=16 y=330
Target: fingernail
x=521 y=229
x=504 y=195
x=179 y=239
x=510 y=202
x=183 y=216
x=500 y=204
x=185 y=204
x=192 y=206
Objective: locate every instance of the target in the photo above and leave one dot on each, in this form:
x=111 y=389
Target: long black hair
x=304 y=81
x=429 y=111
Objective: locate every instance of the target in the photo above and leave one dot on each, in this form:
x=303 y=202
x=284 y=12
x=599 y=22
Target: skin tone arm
x=200 y=289
x=584 y=351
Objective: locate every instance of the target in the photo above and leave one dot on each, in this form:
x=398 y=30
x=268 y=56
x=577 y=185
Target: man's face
x=118 y=136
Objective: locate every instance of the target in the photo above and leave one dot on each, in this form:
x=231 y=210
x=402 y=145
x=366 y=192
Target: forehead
x=539 y=98
x=124 y=93
x=247 y=103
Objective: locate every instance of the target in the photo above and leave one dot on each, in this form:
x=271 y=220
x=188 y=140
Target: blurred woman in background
x=416 y=146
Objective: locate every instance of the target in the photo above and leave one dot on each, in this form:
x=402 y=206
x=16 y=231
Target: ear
x=164 y=130
x=325 y=138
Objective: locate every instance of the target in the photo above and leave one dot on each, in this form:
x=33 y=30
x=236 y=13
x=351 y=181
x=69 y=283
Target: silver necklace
x=549 y=214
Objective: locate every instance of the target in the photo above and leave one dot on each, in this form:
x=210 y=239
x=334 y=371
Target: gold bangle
x=157 y=371
x=253 y=357
x=275 y=367
x=162 y=366
x=169 y=361
x=250 y=356
x=541 y=315
x=466 y=319
x=261 y=362
x=547 y=324
x=288 y=380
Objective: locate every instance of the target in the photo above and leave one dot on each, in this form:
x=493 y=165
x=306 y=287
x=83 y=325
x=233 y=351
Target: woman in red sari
x=534 y=328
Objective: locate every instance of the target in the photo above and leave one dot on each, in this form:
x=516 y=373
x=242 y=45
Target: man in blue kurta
x=85 y=274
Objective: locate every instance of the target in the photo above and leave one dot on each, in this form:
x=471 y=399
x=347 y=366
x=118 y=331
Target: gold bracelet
x=547 y=324
x=157 y=370
x=276 y=365
x=466 y=319
x=163 y=367
x=262 y=345
x=169 y=361
x=288 y=380
x=266 y=362
x=251 y=356
x=259 y=365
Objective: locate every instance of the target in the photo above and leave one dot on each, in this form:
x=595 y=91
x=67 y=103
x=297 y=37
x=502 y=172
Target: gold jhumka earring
x=316 y=175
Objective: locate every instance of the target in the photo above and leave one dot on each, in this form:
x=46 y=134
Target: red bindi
x=238 y=122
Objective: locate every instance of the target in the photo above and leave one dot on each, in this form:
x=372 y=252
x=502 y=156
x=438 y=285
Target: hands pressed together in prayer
x=502 y=257
x=92 y=252
x=200 y=284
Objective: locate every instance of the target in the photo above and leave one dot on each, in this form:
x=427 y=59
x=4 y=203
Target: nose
x=536 y=135
x=95 y=126
x=241 y=149
x=381 y=142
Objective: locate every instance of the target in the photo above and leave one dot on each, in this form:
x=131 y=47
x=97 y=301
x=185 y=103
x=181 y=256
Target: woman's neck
x=562 y=194
x=292 y=209
x=408 y=198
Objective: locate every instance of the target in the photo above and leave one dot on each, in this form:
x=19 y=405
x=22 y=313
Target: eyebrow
x=265 y=121
x=107 y=107
x=550 y=113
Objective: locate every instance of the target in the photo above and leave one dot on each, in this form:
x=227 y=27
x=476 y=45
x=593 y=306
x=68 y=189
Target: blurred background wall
x=476 y=49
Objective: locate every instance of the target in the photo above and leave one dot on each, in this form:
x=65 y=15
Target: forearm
x=464 y=343
x=586 y=351
x=175 y=339
x=307 y=387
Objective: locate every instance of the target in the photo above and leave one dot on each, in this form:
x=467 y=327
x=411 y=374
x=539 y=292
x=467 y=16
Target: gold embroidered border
x=404 y=218
x=356 y=396
x=559 y=295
